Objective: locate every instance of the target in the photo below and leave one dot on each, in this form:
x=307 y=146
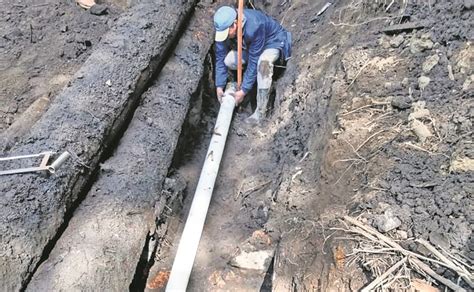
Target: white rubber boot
x=86 y=4
x=261 y=110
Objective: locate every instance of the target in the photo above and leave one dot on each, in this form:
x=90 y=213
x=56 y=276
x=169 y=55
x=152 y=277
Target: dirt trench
x=341 y=138
x=85 y=119
x=123 y=198
x=334 y=134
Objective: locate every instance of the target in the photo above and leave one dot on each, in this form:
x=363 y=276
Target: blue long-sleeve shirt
x=260 y=32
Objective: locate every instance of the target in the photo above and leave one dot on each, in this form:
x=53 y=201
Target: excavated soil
x=367 y=119
x=42 y=45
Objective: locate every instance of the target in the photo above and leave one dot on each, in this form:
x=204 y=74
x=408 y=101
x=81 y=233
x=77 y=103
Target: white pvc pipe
x=188 y=245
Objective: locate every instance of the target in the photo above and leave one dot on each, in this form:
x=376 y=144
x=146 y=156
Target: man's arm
x=255 y=50
x=221 y=50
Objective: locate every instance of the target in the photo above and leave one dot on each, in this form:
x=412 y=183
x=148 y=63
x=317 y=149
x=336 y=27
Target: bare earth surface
x=42 y=44
x=371 y=118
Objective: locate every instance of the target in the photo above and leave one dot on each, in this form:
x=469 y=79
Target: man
x=264 y=42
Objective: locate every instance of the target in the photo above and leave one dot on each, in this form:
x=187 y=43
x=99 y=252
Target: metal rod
x=26 y=156
x=23 y=170
x=325 y=7
x=188 y=245
x=59 y=161
x=240 y=21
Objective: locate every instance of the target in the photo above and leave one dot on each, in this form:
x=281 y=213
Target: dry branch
x=415 y=258
x=373 y=103
x=465 y=274
x=433 y=274
x=382 y=277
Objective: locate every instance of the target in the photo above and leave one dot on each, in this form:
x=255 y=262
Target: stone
x=381 y=207
x=423 y=82
x=426 y=36
x=462 y=165
x=418 y=45
x=397 y=41
x=450 y=73
x=430 y=63
x=384 y=42
x=438 y=239
x=468 y=4
x=419 y=111
x=405 y=82
x=388 y=221
x=401 y=102
x=421 y=130
x=464 y=59
x=254 y=260
x=402 y=234
x=98 y=9
x=467 y=85
x=393 y=86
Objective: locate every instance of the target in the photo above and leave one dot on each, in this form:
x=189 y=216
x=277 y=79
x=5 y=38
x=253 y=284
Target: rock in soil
x=388 y=221
x=421 y=130
x=438 y=239
x=462 y=165
x=467 y=85
x=418 y=45
x=401 y=102
x=98 y=9
x=430 y=63
x=469 y=4
x=423 y=82
x=253 y=260
x=419 y=111
x=397 y=41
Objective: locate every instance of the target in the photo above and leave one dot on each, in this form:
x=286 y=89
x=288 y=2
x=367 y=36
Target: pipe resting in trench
x=189 y=242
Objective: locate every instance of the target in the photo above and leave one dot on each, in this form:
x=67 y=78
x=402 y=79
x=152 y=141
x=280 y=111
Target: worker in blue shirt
x=265 y=41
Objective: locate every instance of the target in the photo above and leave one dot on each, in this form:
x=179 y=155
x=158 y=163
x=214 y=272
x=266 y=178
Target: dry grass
x=357 y=11
x=394 y=267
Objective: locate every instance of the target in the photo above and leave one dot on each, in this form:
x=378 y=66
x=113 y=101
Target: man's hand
x=219 y=93
x=239 y=96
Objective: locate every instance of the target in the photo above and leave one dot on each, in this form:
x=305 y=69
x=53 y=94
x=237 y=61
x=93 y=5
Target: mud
x=42 y=45
x=112 y=224
x=84 y=118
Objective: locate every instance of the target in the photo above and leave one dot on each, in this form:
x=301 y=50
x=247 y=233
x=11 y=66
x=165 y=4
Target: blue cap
x=223 y=19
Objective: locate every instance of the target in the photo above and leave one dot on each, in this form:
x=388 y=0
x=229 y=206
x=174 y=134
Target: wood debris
x=394 y=266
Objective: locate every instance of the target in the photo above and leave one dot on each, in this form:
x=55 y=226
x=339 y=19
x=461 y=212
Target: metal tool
x=321 y=11
x=240 y=19
x=43 y=165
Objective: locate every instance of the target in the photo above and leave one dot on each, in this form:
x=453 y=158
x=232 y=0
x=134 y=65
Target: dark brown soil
x=306 y=151
x=86 y=119
x=42 y=44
